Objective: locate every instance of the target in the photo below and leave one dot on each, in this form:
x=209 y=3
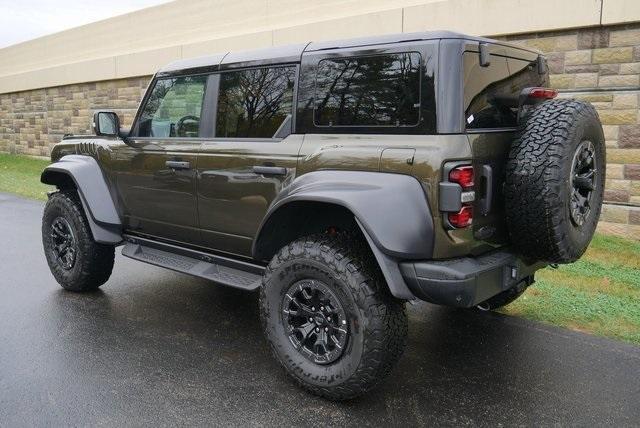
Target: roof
x=293 y=53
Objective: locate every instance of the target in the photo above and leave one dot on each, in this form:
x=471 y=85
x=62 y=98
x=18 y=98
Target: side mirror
x=106 y=123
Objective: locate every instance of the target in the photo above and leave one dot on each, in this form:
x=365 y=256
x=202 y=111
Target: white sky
x=22 y=20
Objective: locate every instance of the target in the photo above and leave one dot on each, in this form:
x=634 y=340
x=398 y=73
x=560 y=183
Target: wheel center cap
x=319 y=319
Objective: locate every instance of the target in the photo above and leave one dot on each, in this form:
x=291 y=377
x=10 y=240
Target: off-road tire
x=377 y=321
x=93 y=261
x=539 y=178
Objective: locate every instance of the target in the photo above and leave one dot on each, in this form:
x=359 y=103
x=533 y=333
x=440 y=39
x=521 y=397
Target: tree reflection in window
x=381 y=90
x=255 y=102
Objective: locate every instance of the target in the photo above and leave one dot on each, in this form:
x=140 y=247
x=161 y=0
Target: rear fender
x=391 y=210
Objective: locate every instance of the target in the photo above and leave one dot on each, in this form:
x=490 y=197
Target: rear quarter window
x=372 y=91
x=491 y=93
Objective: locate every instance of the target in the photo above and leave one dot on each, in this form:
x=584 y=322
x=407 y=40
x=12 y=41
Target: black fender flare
x=391 y=209
x=86 y=174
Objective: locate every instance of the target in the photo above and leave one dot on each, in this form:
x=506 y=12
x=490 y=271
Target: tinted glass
x=173 y=108
x=491 y=93
x=382 y=90
x=254 y=103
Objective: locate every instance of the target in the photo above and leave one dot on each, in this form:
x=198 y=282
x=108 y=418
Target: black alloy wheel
x=583 y=182
x=63 y=243
x=315 y=320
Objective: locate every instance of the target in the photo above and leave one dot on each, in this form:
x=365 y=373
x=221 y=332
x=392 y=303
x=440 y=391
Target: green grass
x=599 y=294
x=21 y=175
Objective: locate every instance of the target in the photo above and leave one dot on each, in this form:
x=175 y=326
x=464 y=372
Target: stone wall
x=602 y=65
x=33 y=121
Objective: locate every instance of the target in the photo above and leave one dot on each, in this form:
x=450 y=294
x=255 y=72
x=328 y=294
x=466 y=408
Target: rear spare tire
x=554 y=181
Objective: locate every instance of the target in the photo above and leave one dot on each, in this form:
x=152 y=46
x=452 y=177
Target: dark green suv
x=340 y=179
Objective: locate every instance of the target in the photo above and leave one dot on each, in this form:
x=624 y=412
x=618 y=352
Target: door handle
x=269 y=170
x=178 y=165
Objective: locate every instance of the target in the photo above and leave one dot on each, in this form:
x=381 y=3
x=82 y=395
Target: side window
x=491 y=93
x=255 y=103
x=380 y=90
x=173 y=108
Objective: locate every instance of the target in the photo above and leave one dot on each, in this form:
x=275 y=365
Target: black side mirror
x=106 y=123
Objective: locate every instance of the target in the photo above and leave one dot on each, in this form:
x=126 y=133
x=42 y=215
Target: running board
x=223 y=270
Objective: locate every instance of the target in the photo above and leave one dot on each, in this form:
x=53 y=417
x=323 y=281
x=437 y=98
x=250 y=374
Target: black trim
x=195 y=254
x=464 y=282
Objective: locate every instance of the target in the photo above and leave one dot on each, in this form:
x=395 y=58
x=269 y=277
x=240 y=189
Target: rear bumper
x=467 y=281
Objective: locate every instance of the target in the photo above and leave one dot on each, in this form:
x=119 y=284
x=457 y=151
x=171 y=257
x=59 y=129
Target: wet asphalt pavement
x=157 y=347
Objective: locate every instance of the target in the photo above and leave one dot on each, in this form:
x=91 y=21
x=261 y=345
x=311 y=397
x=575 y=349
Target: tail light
x=542 y=93
x=457 y=196
x=463 y=218
x=463 y=175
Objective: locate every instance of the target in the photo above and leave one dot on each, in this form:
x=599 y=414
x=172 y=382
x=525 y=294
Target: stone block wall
x=33 y=121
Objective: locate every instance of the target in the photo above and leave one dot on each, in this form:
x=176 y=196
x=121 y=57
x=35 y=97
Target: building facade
x=52 y=85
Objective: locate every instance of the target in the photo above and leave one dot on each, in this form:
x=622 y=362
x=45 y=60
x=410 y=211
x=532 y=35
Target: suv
x=340 y=179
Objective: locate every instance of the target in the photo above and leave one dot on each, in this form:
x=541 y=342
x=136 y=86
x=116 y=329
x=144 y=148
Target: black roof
x=293 y=53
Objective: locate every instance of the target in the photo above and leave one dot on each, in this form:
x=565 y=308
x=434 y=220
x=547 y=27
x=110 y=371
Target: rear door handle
x=269 y=170
x=178 y=165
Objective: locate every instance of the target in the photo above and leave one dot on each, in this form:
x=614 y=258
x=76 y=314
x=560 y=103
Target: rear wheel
x=329 y=317
x=76 y=261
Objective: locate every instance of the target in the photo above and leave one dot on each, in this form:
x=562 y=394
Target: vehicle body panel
x=158 y=200
x=233 y=198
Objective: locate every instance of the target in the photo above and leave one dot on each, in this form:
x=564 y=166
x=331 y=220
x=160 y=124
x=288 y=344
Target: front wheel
x=329 y=316
x=76 y=261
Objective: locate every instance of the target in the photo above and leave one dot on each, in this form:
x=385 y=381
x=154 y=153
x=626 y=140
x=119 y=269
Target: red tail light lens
x=544 y=93
x=463 y=175
x=463 y=218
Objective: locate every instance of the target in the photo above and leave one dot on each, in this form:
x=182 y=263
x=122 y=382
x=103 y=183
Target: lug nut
x=329 y=319
x=344 y=322
x=326 y=329
x=313 y=308
x=310 y=319
x=317 y=330
x=322 y=308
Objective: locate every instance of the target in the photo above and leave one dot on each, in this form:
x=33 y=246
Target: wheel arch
x=83 y=174
x=390 y=210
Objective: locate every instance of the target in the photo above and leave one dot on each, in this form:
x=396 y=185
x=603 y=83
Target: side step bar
x=223 y=270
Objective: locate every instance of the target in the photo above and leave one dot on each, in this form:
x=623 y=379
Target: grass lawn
x=21 y=175
x=599 y=294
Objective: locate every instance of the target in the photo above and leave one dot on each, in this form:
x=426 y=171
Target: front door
x=251 y=158
x=158 y=186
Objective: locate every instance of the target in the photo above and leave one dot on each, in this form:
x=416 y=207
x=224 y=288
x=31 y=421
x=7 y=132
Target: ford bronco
x=341 y=180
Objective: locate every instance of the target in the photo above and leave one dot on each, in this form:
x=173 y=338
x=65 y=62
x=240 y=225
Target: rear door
x=157 y=174
x=490 y=112
x=252 y=156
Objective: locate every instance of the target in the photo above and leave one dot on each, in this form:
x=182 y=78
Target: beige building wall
x=138 y=43
x=51 y=86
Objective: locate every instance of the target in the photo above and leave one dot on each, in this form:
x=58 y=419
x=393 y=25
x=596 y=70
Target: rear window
x=380 y=90
x=491 y=93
